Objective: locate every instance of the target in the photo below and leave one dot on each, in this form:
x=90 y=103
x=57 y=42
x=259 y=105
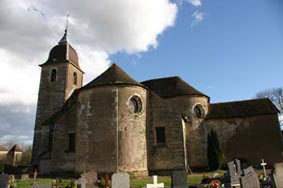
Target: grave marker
x=179 y=179
x=234 y=171
x=249 y=179
x=278 y=175
x=120 y=180
x=263 y=164
x=155 y=183
x=41 y=185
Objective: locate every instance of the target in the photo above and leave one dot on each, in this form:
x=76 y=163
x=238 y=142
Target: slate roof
x=15 y=148
x=171 y=87
x=241 y=109
x=114 y=75
x=2 y=148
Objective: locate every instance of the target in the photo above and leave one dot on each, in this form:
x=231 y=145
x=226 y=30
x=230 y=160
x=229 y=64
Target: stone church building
x=115 y=123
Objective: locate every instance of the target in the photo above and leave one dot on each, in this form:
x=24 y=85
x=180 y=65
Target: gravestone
x=248 y=170
x=278 y=175
x=155 y=183
x=179 y=179
x=41 y=185
x=4 y=180
x=120 y=180
x=87 y=180
x=249 y=179
x=81 y=182
x=234 y=172
x=24 y=177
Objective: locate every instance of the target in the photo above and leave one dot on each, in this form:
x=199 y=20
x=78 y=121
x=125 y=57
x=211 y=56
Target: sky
x=227 y=49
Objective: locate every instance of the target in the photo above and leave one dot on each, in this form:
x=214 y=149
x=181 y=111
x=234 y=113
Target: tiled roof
x=241 y=109
x=15 y=148
x=2 y=148
x=171 y=87
x=114 y=75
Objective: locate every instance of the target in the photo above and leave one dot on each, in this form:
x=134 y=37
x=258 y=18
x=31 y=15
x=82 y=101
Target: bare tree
x=276 y=96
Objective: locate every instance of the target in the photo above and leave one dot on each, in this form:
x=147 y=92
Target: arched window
x=199 y=111
x=53 y=76
x=135 y=104
x=75 y=78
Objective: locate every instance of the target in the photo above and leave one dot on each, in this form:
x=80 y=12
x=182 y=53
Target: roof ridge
x=113 y=75
x=173 y=86
x=244 y=108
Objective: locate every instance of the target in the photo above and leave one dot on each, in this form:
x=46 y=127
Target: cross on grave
x=155 y=184
x=263 y=164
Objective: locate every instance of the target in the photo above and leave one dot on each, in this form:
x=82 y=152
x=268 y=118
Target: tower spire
x=64 y=38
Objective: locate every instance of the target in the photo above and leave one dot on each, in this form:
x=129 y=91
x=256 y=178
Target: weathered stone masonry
x=115 y=123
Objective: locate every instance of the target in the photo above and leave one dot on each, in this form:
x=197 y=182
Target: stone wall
x=132 y=145
x=108 y=136
x=51 y=97
x=195 y=133
x=249 y=138
x=172 y=155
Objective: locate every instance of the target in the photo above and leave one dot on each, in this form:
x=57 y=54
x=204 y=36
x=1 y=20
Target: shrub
x=214 y=151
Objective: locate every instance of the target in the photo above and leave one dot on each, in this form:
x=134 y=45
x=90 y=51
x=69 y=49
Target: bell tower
x=60 y=76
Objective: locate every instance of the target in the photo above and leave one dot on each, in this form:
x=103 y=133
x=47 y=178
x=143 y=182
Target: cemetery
x=234 y=177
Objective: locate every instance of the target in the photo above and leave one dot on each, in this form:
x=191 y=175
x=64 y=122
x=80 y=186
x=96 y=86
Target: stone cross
x=155 y=184
x=263 y=164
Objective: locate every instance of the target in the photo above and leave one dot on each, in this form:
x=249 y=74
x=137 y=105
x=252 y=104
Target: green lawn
x=192 y=179
x=26 y=183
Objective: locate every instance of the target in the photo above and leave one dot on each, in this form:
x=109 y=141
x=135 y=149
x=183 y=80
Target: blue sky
x=235 y=52
x=227 y=49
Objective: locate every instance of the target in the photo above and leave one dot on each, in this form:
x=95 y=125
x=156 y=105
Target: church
x=115 y=123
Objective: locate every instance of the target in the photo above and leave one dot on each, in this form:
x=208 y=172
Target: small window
x=199 y=111
x=75 y=78
x=72 y=142
x=135 y=104
x=53 y=76
x=160 y=136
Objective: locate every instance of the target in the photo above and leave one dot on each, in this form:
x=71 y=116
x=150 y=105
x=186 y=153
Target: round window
x=199 y=111
x=135 y=104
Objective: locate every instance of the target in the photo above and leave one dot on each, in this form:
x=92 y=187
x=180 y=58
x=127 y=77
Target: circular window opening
x=135 y=104
x=199 y=111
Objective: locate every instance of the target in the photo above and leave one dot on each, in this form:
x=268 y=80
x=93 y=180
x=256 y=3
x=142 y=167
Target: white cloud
x=97 y=29
x=198 y=18
x=19 y=80
x=195 y=2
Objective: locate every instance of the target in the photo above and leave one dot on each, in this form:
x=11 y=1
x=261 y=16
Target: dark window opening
x=135 y=104
x=199 y=111
x=75 y=78
x=53 y=75
x=72 y=142
x=160 y=136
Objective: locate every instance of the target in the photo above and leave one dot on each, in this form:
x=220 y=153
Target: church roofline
x=174 y=86
x=61 y=62
x=114 y=75
x=239 y=109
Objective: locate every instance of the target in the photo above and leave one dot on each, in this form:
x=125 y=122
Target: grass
x=192 y=179
x=26 y=183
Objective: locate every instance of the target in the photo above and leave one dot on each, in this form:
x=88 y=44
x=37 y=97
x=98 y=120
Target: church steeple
x=64 y=38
